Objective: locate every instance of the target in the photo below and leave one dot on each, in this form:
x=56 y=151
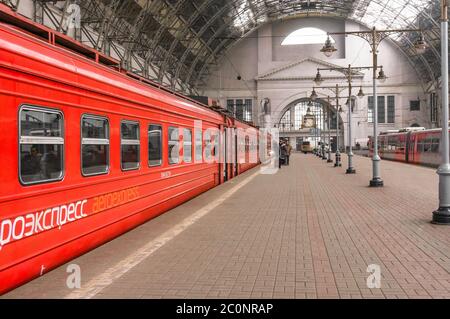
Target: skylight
x=306 y=36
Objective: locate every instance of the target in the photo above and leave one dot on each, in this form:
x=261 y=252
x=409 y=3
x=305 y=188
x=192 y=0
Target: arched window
x=306 y=36
x=292 y=119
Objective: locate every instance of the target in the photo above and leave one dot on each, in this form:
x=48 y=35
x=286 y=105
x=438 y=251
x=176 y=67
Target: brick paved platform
x=310 y=231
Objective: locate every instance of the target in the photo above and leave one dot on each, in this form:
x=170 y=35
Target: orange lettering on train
x=114 y=199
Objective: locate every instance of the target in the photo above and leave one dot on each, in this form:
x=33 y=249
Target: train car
x=424 y=148
x=393 y=146
x=306 y=147
x=247 y=147
x=412 y=146
x=89 y=152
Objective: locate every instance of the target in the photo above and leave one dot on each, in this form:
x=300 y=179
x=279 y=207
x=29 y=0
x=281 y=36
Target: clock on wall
x=309 y=120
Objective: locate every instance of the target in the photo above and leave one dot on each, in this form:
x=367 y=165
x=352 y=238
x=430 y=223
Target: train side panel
x=47 y=223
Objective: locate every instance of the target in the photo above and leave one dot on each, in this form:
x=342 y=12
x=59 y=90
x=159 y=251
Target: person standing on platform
x=288 y=152
x=280 y=153
x=283 y=154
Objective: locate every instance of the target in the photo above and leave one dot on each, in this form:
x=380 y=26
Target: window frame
x=32 y=107
x=130 y=142
x=161 y=145
x=108 y=131
x=239 y=107
x=390 y=109
x=434 y=107
x=414 y=106
x=370 y=110
x=381 y=105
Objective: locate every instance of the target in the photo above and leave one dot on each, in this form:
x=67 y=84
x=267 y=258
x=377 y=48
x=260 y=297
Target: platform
x=309 y=231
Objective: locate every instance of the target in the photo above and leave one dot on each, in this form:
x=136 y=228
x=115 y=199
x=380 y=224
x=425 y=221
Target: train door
x=412 y=148
x=247 y=149
x=236 y=166
x=408 y=147
x=225 y=154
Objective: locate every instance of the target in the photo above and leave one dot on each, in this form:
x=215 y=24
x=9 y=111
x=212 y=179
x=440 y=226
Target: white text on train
x=37 y=222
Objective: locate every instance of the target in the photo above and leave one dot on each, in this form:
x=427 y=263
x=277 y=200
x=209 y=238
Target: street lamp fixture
x=328 y=49
x=318 y=80
x=360 y=94
x=381 y=76
x=420 y=45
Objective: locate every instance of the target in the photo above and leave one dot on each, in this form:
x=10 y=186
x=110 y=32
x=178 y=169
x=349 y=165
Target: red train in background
x=412 y=145
x=91 y=151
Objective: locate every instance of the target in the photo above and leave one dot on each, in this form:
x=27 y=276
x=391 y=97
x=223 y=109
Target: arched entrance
x=292 y=123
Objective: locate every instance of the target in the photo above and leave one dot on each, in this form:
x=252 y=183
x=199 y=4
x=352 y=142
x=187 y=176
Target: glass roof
x=392 y=14
x=185 y=39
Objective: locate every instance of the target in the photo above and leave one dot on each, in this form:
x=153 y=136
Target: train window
x=198 y=145
x=187 y=145
x=435 y=145
x=420 y=147
x=94 y=145
x=41 y=145
x=130 y=145
x=154 y=145
x=427 y=145
x=174 y=146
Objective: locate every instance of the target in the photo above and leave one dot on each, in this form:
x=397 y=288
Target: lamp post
x=324 y=157
x=338 y=162
x=348 y=72
x=313 y=98
x=336 y=90
x=350 y=169
x=442 y=214
x=311 y=125
x=374 y=38
x=329 y=160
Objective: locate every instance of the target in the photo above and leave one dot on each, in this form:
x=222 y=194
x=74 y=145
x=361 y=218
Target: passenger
x=31 y=164
x=284 y=153
x=280 y=154
x=51 y=164
x=288 y=152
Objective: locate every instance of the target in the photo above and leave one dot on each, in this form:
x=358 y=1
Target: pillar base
x=329 y=161
x=337 y=165
x=441 y=216
x=350 y=171
x=376 y=182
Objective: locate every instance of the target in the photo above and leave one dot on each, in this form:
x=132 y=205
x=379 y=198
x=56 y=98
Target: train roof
x=403 y=132
x=412 y=129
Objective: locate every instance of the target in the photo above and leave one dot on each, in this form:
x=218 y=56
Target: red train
x=91 y=151
x=418 y=146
